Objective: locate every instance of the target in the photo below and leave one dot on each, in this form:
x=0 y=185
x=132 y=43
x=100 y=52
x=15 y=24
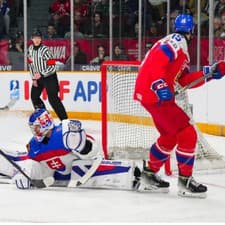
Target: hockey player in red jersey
x=164 y=65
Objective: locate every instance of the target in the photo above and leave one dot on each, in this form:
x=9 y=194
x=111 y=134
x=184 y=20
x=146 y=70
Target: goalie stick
x=9 y=105
x=87 y=175
x=36 y=183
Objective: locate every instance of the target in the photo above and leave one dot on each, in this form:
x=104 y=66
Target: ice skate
x=188 y=187
x=151 y=182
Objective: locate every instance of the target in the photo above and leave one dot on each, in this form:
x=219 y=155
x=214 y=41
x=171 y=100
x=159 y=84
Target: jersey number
x=177 y=37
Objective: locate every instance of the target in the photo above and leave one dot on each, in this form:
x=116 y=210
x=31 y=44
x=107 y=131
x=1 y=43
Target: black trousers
x=51 y=85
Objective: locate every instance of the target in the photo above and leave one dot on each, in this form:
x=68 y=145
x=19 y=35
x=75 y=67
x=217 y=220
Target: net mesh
x=130 y=130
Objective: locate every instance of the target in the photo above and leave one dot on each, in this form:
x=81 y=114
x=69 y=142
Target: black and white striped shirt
x=38 y=60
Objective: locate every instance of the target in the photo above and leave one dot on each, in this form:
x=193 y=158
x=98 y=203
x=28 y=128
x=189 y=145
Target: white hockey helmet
x=40 y=122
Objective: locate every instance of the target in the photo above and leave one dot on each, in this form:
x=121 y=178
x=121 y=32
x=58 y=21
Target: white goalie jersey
x=80 y=155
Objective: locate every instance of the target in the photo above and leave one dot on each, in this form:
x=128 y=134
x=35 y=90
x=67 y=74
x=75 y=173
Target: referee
x=43 y=72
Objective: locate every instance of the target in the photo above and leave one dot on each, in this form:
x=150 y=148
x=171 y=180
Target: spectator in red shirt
x=80 y=6
x=60 y=16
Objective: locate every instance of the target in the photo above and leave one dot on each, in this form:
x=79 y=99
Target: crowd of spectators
x=91 y=18
x=10 y=11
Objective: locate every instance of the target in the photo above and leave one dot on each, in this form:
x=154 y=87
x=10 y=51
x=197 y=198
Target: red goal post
x=104 y=67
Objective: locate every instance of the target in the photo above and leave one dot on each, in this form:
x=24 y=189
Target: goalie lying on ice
x=66 y=153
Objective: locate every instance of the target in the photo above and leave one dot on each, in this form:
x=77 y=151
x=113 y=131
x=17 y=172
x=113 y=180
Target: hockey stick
x=9 y=105
x=193 y=83
x=167 y=164
x=168 y=170
x=36 y=183
x=87 y=175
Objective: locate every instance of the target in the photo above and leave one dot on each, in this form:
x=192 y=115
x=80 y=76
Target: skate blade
x=186 y=193
x=152 y=189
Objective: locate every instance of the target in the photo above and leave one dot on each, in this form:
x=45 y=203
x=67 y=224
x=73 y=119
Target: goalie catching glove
x=217 y=71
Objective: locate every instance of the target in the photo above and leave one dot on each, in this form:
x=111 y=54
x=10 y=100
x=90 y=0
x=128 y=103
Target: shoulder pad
x=176 y=42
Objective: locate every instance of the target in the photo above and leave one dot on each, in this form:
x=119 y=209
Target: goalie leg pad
x=111 y=174
x=7 y=168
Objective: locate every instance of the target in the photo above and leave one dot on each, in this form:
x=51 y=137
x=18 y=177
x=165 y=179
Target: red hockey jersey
x=169 y=60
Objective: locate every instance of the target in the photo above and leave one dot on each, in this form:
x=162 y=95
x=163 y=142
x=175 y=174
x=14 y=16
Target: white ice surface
x=88 y=205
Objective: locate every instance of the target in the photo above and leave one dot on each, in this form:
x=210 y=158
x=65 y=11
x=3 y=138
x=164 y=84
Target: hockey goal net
x=127 y=129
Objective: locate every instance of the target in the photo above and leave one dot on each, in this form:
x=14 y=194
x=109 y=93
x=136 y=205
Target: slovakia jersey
x=168 y=60
x=53 y=154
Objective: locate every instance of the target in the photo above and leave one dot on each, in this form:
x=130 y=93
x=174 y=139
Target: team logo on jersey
x=56 y=164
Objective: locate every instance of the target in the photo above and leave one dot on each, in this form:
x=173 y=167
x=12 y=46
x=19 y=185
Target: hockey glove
x=217 y=70
x=162 y=90
x=21 y=181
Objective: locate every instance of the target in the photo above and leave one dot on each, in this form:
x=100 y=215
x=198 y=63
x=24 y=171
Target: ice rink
x=91 y=205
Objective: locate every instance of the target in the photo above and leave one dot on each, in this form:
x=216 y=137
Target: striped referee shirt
x=38 y=60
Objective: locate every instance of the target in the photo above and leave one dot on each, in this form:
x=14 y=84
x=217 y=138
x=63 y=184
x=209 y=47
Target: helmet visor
x=40 y=123
x=37 y=132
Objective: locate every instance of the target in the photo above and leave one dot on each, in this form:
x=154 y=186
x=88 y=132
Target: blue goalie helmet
x=184 y=23
x=40 y=123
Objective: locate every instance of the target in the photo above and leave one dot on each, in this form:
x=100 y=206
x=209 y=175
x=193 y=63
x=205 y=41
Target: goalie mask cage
x=127 y=128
